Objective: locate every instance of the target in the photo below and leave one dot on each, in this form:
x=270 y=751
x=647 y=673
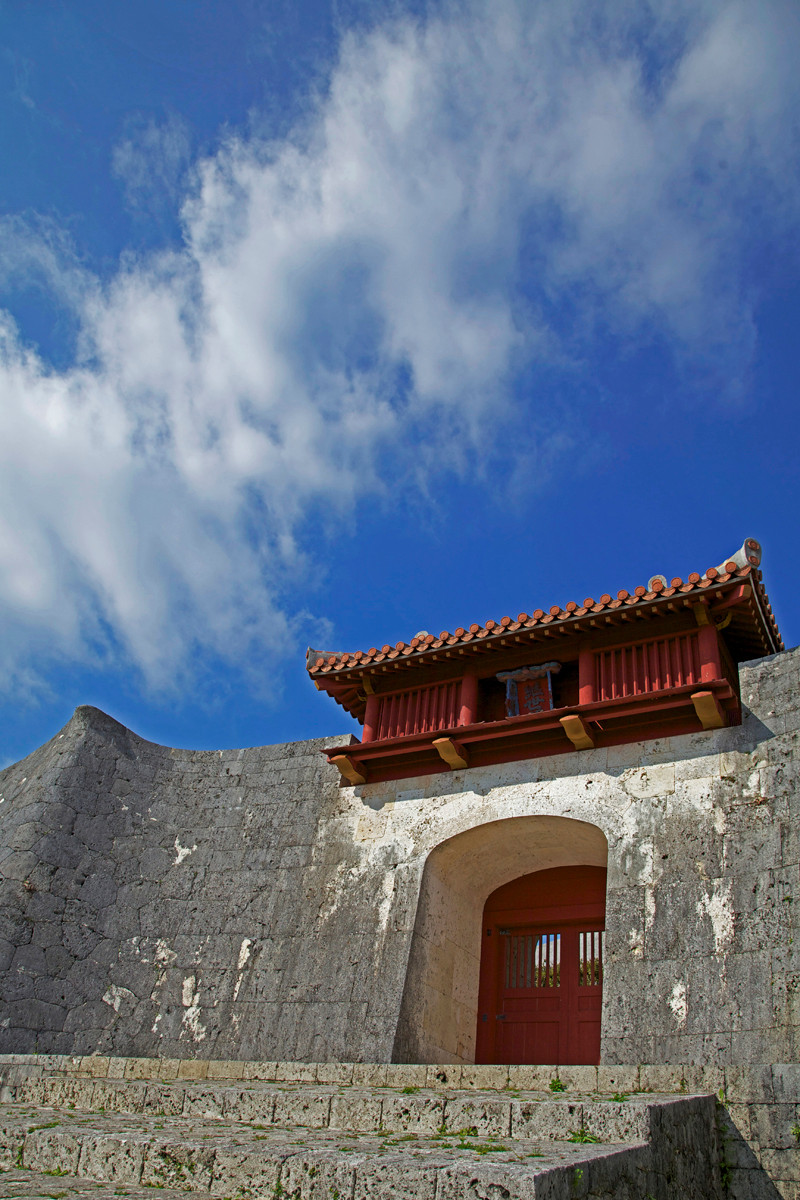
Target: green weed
x=557 y=1086
x=582 y=1135
x=483 y=1147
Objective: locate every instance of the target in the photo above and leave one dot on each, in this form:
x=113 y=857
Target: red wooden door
x=541 y=983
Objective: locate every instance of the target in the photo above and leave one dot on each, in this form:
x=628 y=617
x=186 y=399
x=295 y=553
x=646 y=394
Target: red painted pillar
x=586 y=676
x=370 y=719
x=708 y=644
x=468 y=713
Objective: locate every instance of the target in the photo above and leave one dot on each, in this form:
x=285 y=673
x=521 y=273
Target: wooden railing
x=419 y=711
x=651 y=666
x=687 y=659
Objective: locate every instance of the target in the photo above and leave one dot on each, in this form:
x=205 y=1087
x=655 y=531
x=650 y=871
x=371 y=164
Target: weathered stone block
x=530 y=1078
x=553 y=1120
x=177 y=1164
x=53 y=1151
x=484 y=1076
x=413 y=1113
x=254 y=1104
x=335 y=1073
x=146 y=1068
x=786 y=1082
x=445 y=1075
x=356 y=1110
x=162 y=1099
x=611 y=1079
x=400 y=1075
x=114 y=1159
x=489 y=1116
x=370 y=1074
x=302 y=1108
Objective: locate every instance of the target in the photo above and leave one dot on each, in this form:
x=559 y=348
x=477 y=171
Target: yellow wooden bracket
x=452 y=752
x=577 y=732
x=709 y=710
x=348 y=769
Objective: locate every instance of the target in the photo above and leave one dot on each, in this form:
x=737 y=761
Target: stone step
x=230 y=1158
x=362 y=1110
x=603 y=1079
x=19 y=1184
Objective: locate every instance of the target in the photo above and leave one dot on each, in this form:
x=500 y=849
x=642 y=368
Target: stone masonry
x=242 y=905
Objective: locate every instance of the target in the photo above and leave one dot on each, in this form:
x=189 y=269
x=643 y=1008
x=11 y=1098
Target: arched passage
x=439 y=1011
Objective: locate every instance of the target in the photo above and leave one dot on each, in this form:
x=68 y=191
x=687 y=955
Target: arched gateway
x=541 y=982
x=533 y=865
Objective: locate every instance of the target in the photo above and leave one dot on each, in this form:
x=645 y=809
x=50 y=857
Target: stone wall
x=240 y=904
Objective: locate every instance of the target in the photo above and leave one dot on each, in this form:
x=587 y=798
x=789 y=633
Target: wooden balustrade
x=419 y=710
x=656 y=665
x=659 y=664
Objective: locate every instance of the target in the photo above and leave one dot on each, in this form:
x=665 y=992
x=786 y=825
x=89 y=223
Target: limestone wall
x=242 y=905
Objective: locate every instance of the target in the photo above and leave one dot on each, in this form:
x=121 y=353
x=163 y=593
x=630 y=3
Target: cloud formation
x=496 y=186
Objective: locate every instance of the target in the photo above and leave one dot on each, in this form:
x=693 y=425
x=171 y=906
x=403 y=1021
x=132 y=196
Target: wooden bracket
x=709 y=710
x=453 y=753
x=700 y=611
x=348 y=769
x=577 y=732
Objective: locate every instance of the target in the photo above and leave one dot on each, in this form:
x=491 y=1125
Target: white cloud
x=356 y=300
x=151 y=162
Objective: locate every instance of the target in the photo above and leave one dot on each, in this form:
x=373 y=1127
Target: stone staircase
x=99 y=1127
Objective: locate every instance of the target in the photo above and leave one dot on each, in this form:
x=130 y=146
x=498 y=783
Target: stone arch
x=438 y=1014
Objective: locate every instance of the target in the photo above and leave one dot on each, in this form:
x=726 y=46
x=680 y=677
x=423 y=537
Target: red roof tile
x=321 y=663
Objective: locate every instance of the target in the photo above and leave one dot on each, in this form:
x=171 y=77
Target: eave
x=735 y=596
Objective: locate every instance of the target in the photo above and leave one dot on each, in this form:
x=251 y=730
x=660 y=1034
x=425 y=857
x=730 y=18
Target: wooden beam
x=453 y=753
x=348 y=769
x=709 y=710
x=577 y=732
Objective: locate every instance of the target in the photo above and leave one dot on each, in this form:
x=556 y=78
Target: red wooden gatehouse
x=657 y=661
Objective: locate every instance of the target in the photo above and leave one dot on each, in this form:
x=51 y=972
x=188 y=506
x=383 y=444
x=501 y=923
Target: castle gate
x=541 y=979
x=440 y=1010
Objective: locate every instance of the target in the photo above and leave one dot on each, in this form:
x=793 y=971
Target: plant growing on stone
x=582 y=1135
x=556 y=1085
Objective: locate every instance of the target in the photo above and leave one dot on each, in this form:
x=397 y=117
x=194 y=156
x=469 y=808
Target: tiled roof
x=321 y=664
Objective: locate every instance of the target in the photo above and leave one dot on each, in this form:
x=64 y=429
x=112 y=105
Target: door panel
x=541 y=982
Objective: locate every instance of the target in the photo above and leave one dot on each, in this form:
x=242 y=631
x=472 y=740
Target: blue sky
x=329 y=322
